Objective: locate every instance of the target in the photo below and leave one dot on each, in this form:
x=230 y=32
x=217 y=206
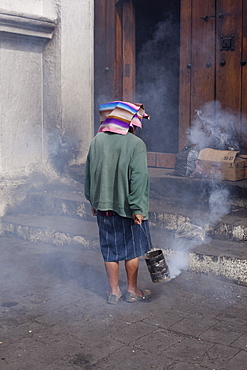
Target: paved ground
x=54 y=316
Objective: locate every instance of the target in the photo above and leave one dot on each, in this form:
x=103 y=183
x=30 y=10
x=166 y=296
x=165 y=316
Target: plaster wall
x=46 y=91
x=23 y=6
x=22 y=40
x=77 y=71
x=38 y=7
x=21 y=104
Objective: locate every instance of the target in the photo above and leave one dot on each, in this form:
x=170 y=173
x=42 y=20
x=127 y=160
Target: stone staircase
x=196 y=229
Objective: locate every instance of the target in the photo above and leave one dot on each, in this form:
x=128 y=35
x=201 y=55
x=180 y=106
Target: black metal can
x=157 y=266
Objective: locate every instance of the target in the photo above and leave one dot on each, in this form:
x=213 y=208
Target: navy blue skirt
x=121 y=239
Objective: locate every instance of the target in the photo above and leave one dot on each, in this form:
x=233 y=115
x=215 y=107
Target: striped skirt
x=121 y=239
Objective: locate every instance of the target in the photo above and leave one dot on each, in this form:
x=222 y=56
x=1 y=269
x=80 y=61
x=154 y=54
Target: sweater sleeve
x=87 y=179
x=138 y=197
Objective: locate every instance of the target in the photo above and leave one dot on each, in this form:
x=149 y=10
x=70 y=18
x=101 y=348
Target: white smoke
x=14 y=189
x=157 y=85
x=218 y=204
x=17 y=181
x=177 y=262
x=217 y=128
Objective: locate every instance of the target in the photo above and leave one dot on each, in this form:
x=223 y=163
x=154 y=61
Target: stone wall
x=46 y=91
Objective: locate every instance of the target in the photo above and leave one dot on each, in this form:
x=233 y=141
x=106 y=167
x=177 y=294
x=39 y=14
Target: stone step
x=170 y=214
x=191 y=190
x=58 y=202
x=165 y=212
x=50 y=229
x=223 y=259
x=192 y=233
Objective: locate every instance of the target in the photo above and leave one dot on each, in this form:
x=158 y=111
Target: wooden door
x=229 y=35
x=203 y=54
x=213 y=54
x=213 y=60
x=115 y=60
x=125 y=51
x=104 y=47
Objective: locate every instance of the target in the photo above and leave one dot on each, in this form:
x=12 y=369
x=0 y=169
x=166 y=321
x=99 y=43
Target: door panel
x=203 y=54
x=228 y=68
x=118 y=68
x=124 y=52
x=104 y=47
x=128 y=34
x=218 y=45
x=244 y=78
x=185 y=71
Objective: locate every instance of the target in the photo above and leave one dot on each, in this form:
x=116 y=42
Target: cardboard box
x=245 y=158
x=222 y=164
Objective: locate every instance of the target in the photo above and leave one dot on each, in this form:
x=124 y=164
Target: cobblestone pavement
x=54 y=316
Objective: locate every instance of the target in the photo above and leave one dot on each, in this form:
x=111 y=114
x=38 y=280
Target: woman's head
x=132 y=129
x=119 y=116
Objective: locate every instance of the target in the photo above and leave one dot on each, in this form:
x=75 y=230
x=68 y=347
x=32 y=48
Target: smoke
x=218 y=204
x=62 y=149
x=217 y=128
x=17 y=182
x=178 y=261
x=157 y=85
x=192 y=233
x=15 y=189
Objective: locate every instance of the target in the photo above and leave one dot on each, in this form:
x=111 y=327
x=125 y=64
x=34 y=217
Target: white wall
x=21 y=91
x=23 y=6
x=46 y=80
x=38 y=7
x=77 y=70
x=48 y=7
x=21 y=105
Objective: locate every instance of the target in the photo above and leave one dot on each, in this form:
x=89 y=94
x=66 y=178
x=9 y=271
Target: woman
x=117 y=186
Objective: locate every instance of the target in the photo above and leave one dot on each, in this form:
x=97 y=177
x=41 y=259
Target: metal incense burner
x=157 y=266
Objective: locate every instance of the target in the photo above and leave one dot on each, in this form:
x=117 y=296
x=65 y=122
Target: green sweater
x=116 y=174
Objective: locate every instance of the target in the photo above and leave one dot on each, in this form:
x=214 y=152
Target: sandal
x=113 y=299
x=131 y=297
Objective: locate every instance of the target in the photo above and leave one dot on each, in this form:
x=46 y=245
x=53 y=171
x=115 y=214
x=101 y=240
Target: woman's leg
x=131 y=267
x=112 y=271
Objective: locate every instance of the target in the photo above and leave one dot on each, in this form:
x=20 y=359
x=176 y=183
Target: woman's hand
x=138 y=219
x=94 y=212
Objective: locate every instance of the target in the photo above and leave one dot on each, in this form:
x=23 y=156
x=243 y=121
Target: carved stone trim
x=26 y=25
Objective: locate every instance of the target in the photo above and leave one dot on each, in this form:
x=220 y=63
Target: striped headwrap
x=119 y=116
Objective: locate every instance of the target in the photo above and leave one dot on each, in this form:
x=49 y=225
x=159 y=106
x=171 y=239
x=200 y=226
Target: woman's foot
x=132 y=297
x=113 y=298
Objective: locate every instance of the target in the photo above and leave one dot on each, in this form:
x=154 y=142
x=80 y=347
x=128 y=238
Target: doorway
x=157 y=39
x=137 y=59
